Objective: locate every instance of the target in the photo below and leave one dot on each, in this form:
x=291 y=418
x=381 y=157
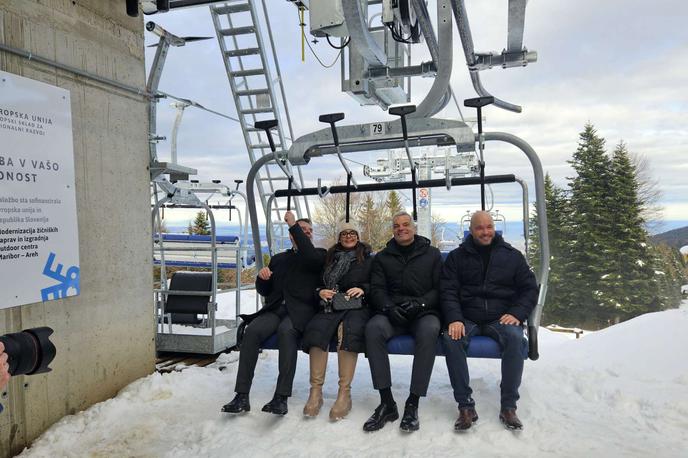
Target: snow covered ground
x=618 y=392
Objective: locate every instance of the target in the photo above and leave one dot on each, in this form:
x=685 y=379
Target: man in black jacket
x=487 y=288
x=287 y=284
x=404 y=292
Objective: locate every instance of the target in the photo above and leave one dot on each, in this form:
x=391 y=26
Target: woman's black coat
x=322 y=328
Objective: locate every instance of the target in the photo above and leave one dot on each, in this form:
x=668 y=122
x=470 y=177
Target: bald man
x=486 y=288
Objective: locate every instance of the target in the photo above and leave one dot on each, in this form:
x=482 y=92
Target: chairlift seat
x=480 y=346
x=184 y=309
x=220 y=239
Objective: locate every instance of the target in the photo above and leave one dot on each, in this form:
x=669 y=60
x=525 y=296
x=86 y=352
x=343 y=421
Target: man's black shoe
x=467 y=416
x=510 y=419
x=383 y=413
x=409 y=422
x=238 y=404
x=278 y=405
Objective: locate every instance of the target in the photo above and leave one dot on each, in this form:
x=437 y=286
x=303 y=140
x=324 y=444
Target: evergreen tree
x=200 y=226
x=591 y=223
x=630 y=284
x=393 y=206
x=558 y=299
x=669 y=277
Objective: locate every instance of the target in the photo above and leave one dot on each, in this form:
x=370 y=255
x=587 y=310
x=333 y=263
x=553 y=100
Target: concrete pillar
x=105 y=336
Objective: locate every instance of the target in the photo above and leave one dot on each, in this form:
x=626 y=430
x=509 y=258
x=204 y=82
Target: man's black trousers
x=424 y=330
x=262 y=327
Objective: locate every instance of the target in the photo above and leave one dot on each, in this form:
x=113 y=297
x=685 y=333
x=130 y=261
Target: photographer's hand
x=4 y=367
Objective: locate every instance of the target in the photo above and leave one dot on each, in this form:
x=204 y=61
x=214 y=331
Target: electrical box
x=327 y=18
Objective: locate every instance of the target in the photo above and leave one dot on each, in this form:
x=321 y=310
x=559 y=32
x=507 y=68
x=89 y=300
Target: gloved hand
x=411 y=308
x=397 y=315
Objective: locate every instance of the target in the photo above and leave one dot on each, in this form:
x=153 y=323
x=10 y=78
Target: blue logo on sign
x=68 y=281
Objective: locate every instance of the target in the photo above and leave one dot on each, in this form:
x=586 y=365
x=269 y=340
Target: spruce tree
x=200 y=226
x=393 y=204
x=630 y=285
x=591 y=225
x=558 y=307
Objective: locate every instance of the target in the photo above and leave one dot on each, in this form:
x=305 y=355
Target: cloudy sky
x=620 y=64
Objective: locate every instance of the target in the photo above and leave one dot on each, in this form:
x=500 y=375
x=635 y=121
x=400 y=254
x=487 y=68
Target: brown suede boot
x=347 y=367
x=318 y=363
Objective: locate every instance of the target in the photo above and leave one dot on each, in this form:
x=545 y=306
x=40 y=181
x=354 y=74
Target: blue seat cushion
x=480 y=346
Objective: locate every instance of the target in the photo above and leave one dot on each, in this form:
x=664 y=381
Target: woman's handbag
x=341 y=302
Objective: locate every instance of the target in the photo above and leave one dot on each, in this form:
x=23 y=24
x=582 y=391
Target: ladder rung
x=252 y=92
x=257 y=110
x=238 y=30
x=228 y=9
x=265 y=145
x=242 y=52
x=250 y=72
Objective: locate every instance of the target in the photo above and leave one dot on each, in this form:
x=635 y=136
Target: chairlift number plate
x=377 y=128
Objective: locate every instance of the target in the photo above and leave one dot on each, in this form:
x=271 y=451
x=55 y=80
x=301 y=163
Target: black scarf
x=338 y=267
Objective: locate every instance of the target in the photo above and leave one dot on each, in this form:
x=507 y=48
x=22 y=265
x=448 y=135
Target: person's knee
x=512 y=335
x=376 y=328
x=432 y=325
x=428 y=329
x=251 y=337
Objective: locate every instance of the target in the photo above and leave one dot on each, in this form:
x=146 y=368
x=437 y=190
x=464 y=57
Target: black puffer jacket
x=295 y=274
x=394 y=280
x=323 y=327
x=509 y=285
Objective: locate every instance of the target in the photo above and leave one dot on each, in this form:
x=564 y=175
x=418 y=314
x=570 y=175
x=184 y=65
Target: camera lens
x=30 y=351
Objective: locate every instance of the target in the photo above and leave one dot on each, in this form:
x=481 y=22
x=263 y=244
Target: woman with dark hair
x=347 y=275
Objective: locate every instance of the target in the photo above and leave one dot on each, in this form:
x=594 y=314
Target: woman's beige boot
x=318 y=363
x=347 y=367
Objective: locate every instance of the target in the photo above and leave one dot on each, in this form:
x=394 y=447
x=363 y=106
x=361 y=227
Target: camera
x=29 y=351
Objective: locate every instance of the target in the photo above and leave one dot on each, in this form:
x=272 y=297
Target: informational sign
x=424 y=223
x=39 y=239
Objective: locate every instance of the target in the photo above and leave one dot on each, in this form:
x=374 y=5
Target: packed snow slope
x=618 y=392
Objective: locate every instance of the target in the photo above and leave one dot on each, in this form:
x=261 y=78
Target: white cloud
x=618 y=64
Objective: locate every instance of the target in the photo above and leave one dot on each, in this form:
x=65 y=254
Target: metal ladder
x=257 y=98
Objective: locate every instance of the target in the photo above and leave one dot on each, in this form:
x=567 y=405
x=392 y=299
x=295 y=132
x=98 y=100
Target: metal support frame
x=357 y=137
x=319 y=150
x=214 y=343
x=475 y=64
x=541 y=207
x=441 y=50
x=526 y=213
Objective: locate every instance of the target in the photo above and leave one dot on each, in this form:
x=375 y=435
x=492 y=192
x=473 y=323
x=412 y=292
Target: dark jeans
x=262 y=327
x=510 y=340
x=424 y=330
